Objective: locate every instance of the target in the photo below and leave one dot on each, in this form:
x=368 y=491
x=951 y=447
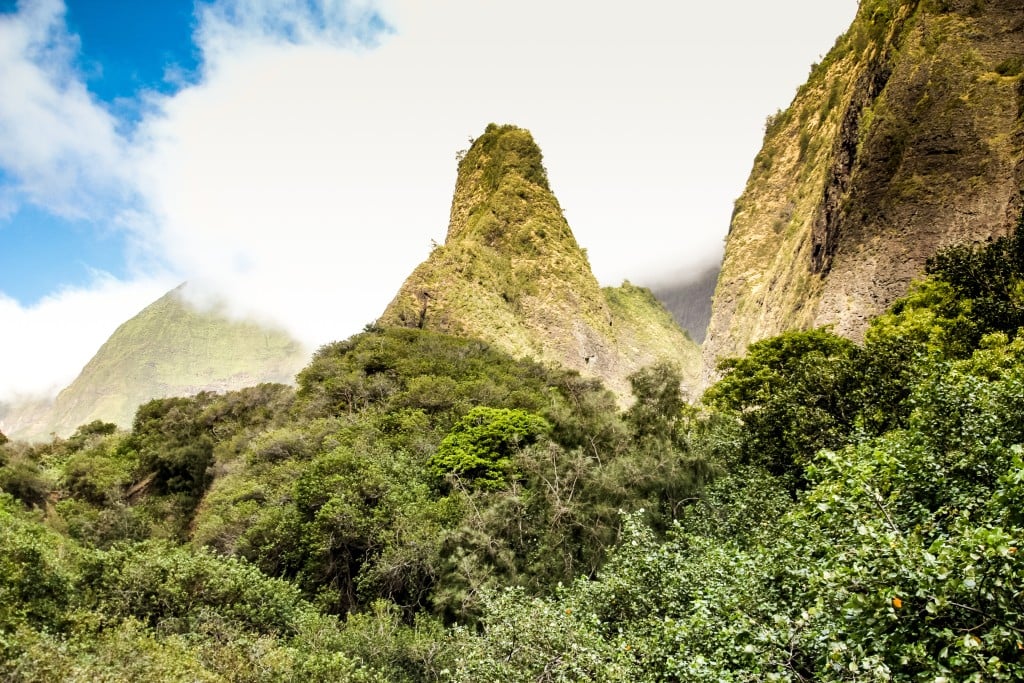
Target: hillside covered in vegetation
x=171 y=348
x=427 y=508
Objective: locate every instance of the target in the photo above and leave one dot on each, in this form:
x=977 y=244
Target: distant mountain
x=171 y=348
x=688 y=299
x=511 y=273
x=907 y=137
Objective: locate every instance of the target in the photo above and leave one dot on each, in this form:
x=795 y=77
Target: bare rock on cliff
x=907 y=138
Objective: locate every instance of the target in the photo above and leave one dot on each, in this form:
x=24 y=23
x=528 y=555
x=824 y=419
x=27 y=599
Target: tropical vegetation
x=424 y=507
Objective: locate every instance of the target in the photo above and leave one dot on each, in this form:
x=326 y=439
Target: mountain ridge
x=907 y=138
x=170 y=348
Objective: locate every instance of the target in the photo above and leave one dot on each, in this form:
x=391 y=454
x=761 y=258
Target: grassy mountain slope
x=511 y=273
x=169 y=349
x=919 y=107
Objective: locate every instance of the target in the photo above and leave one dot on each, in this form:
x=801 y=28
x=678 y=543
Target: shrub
x=480 y=447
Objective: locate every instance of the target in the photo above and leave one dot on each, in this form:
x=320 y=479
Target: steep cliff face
x=511 y=273
x=168 y=349
x=688 y=299
x=908 y=137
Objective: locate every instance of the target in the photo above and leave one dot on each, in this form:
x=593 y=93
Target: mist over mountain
x=171 y=348
x=688 y=299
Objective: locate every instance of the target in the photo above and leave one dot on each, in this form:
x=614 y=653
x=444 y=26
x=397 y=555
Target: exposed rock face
x=688 y=299
x=511 y=273
x=909 y=137
x=169 y=349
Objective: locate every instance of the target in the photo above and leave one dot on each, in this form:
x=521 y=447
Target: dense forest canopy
x=424 y=508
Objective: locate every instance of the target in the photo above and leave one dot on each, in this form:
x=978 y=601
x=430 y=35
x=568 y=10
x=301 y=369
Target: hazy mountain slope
x=169 y=349
x=688 y=299
x=511 y=273
x=907 y=138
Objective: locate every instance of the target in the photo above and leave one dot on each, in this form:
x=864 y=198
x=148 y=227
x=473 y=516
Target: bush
x=795 y=394
x=480 y=447
x=22 y=477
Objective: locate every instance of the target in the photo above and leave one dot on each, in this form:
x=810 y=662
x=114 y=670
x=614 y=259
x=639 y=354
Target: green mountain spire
x=511 y=273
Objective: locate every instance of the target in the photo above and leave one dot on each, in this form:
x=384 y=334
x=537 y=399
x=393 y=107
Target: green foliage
x=481 y=445
x=396 y=650
x=35 y=586
x=101 y=474
x=991 y=278
x=415 y=369
x=794 y=394
x=536 y=640
x=899 y=562
x=87 y=432
x=175 y=438
x=658 y=404
x=173 y=444
x=832 y=512
x=170 y=587
x=503 y=151
x=152 y=612
x=899 y=559
x=368 y=527
x=461 y=470
x=22 y=477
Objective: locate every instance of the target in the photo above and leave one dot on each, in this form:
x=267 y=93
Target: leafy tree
x=658 y=402
x=89 y=432
x=480 y=447
x=795 y=394
x=990 y=277
x=173 y=445
x=22 y=476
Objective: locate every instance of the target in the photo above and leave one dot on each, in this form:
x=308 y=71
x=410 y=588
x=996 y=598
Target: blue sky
x=296 y=158
x=130 y=46
x=123 y=52
x=125 y=47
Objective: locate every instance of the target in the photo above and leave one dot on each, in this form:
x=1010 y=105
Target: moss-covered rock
x=511 y=273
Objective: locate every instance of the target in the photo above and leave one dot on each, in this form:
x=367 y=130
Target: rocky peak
x=511 y=273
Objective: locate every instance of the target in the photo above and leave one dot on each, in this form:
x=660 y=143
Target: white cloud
x=226 y=25
x=58 y=148
x=305 y=175
x=281 y=182
x=44 y=346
